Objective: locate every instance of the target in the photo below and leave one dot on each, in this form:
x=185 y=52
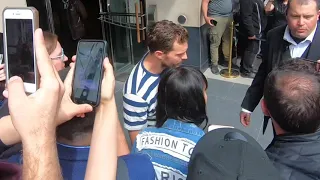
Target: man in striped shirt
x=167 y=43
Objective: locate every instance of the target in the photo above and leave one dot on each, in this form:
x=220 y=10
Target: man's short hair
x=292 y=96
x=51 y=41
x=303 y=2
x=162 y=35
x=77 y=126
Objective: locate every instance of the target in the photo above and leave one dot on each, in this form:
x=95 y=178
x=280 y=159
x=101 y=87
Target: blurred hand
x=2 y=72
x=108 y=82
x=207 y=19
x=245 y=118
x=318 y=66
x=252 y=37
x=68 y=109
x=34 y=116
x=73 y=59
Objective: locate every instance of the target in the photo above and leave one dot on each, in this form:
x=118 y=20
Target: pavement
x=224 y=100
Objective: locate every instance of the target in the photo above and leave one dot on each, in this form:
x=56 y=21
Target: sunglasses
x=60 y=57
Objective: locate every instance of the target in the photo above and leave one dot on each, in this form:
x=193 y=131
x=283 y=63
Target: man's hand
x=318 y=66
x=245 y=118
x=73 y=59
x=68 y=109
x=34 y=115
x=2 y=73
x=105 y=131
x=108 y=82
x=208 y=19
x=252 y=37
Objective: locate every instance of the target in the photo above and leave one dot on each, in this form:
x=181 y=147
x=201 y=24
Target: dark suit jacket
x=253 y=19
x=271 y=59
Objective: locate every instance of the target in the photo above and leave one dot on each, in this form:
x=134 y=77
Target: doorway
x=53 y=18
x=121 y=22
x=124 y=21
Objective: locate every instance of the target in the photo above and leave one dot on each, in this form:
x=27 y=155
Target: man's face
x=302 y=18
x=175 y=57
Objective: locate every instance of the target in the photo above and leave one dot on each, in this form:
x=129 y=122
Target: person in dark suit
x=251 y=28
x=300 y=38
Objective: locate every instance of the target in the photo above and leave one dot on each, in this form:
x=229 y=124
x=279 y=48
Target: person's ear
x=264 y=108
x=159 y=54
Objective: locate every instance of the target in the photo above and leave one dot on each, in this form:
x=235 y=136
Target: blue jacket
x=169 y=147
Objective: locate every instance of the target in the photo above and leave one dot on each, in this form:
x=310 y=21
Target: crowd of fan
x=47 y=136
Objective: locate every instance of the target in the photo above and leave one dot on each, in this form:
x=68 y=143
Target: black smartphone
x=89 y=71
x=214 y=22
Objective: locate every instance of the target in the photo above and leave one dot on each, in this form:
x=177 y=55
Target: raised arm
x=102 y=164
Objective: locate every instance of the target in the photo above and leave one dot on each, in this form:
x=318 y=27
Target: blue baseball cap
x=135 y=167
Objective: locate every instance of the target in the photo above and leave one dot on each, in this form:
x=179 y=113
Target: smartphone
x=214 y=22
x=89 y=71
x=19 y=25
x=1 y=48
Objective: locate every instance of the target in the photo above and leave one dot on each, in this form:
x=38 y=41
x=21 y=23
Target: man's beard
x=164 y=66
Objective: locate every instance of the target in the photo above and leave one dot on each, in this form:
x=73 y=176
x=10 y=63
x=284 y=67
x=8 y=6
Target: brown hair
x=163 y=34
x=292 y=96
x=50 y=40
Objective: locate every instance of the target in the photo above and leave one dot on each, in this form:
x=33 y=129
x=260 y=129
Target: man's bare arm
x=34 y=116
x=101 y=164
x=103 y=137
x=204 y=7
x=8 y=134
x=40 y=157
x=133 y=135
x=123 y=148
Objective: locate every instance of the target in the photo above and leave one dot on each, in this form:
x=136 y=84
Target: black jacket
x=253 y=19
x=271 y=58
x=297 y=157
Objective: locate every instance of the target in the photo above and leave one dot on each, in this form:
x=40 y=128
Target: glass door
x=124 y=24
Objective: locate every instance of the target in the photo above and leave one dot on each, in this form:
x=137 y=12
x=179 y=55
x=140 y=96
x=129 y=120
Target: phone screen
x=19 y=34
x=87 y=77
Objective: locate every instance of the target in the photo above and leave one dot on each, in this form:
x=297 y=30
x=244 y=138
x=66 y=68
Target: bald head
x=292 y=96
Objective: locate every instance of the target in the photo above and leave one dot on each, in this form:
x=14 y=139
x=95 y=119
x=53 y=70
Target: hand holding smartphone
x=213 y=22
x=19 y=25
x=89 y=72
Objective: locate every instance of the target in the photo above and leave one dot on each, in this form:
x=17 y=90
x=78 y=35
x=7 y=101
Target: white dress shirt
x=296 y=50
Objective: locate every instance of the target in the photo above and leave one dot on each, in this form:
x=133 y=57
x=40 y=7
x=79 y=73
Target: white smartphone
x=19 y=25
x=1 y=48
